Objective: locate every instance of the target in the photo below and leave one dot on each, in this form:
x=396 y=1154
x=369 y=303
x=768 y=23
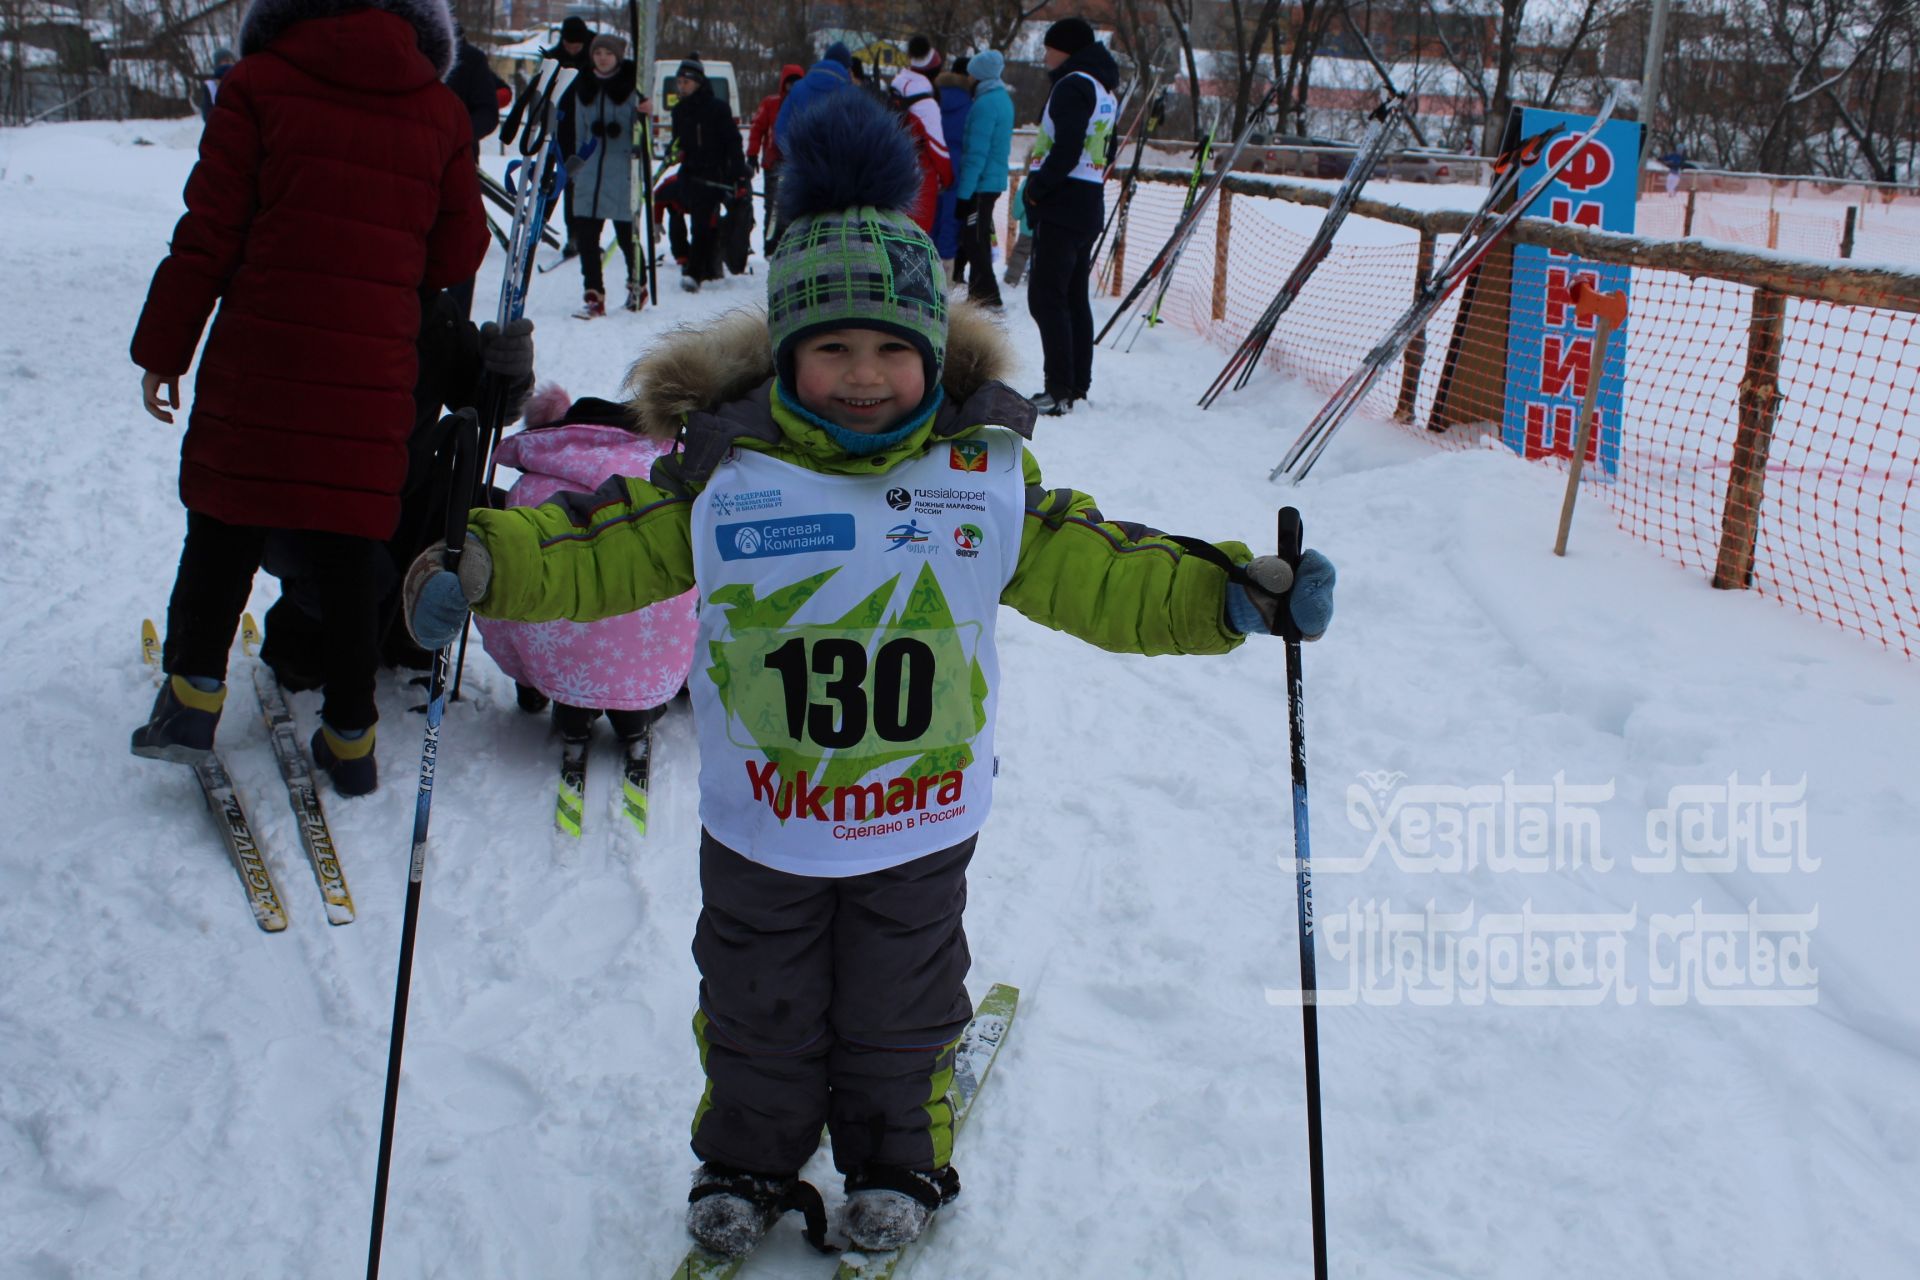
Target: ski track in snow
x=182 y=1095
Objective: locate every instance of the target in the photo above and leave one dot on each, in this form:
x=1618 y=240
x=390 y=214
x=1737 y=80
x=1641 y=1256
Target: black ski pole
x=1291 y=539
x=465 y=431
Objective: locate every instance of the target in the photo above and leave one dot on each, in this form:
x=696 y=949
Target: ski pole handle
x=464 y=432
x=1292 y=536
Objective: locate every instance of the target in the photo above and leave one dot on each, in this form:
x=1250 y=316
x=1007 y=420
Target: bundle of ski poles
x=1246 y=357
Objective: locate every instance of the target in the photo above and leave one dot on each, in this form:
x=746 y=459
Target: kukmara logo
x=909 y=534
x=795 y=535
x=967 y=539
x=967 y=455
x=899 y=499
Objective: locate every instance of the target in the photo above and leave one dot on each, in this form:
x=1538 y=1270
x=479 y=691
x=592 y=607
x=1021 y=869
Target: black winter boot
x=348 y=760
x=889 y=1207
x=729 y=1209
x=180 y=726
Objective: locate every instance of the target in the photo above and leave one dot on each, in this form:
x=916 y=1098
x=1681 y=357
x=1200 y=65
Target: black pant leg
x=770 y=231
x=629 y=248
x=1080 y=295
x=1050 y=303
x=703 y=217
x=982 y=285
x=900 y=963
x=347 y=573
x=586 y=235
x=764 y=946
x=217 y=563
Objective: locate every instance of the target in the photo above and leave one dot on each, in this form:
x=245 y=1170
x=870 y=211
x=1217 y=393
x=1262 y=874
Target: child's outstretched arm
x=1114 y=583
x=580 y=556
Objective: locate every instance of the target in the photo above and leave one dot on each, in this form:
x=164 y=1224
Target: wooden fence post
x=1417 y=349
x=1747 y=476
x=1222 y=234
x=1686 y=226
x=1773 y=228
x=1846 y=232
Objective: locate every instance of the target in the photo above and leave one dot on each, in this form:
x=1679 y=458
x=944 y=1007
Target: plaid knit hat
x=851 y=256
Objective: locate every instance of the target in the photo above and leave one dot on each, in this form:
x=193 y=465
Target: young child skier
x=853 y=499
x=630 y=666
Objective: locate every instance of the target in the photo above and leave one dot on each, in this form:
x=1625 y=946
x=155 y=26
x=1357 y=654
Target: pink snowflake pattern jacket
x=629 y=663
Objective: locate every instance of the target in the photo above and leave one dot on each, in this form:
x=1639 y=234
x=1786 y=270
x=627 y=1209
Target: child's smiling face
x=864 y=380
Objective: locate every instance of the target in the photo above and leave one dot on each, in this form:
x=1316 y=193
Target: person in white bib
x=1066 y=203
x=852 y=499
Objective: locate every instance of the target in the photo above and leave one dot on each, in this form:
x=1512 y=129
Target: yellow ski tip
x=149 y=643
x=249 y=635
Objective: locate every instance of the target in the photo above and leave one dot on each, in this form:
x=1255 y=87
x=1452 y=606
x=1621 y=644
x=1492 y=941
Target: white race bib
x=845 y=680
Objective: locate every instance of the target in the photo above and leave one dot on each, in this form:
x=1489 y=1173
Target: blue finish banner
x=1549 y=348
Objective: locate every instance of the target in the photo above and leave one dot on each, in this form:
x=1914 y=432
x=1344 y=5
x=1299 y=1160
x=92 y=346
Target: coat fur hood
x=432 y=22
x=695 y=369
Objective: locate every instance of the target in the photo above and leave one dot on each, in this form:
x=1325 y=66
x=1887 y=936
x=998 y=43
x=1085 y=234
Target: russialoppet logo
x=899 y=499
x=967 y=455
x=967 y=539
x=796 y=535
x=909 y=535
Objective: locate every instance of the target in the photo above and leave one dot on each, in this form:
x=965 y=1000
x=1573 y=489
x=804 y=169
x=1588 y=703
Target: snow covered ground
x=1584 y=1067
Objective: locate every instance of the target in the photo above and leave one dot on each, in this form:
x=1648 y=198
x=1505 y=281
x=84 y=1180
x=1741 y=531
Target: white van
x=665 y=94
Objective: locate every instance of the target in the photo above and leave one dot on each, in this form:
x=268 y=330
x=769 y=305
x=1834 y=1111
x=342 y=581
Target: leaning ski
x=302 y=793
x=972 y=1060
x=570 y=804
x=263 y=896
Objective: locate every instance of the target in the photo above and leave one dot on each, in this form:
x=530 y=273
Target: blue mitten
x=434 y=601
x=1306 y=591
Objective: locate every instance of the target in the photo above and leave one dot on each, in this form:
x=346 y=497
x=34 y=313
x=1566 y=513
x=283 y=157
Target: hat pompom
x=547 y=405
x=845 y=150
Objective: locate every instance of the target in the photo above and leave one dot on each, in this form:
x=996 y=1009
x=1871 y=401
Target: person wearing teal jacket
x=853 y=499
x=982 y=172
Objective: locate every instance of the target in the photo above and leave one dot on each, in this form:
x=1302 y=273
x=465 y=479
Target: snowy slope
x=182 y=1095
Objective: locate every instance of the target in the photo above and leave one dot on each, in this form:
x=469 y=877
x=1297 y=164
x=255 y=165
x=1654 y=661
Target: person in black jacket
x=712 y=166
x=1066 y=205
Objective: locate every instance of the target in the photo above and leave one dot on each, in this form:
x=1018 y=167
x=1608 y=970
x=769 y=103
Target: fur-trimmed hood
x=700 y=369
x=431 y=20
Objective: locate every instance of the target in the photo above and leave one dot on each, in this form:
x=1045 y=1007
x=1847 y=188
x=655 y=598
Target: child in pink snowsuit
x=629 y=666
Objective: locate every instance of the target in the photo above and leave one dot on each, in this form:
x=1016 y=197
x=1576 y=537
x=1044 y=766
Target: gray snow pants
x=829 y=1001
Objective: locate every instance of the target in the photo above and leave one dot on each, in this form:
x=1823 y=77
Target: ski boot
x=530 y=699
x=1049 y=405
x=594 y=307
x=349 y=761
x=180 y=726
x=636 y=297
x=729 y=1209
x=689 y=285
x=889 y=1207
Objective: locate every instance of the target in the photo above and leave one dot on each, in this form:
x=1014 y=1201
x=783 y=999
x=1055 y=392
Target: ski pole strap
x=1212 y=555
x=1527 y=151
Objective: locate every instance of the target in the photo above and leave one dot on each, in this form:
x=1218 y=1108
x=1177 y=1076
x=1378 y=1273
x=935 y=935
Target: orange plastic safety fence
x=1764 y=440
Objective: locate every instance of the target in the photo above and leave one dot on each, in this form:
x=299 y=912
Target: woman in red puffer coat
x=335 y=185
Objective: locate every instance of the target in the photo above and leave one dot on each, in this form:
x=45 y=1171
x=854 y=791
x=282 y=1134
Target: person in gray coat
x=605 y=101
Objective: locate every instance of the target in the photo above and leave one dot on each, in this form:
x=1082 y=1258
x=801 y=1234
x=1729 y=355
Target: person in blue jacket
x=980 y=173
x=953 y=90
x=831 y=74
